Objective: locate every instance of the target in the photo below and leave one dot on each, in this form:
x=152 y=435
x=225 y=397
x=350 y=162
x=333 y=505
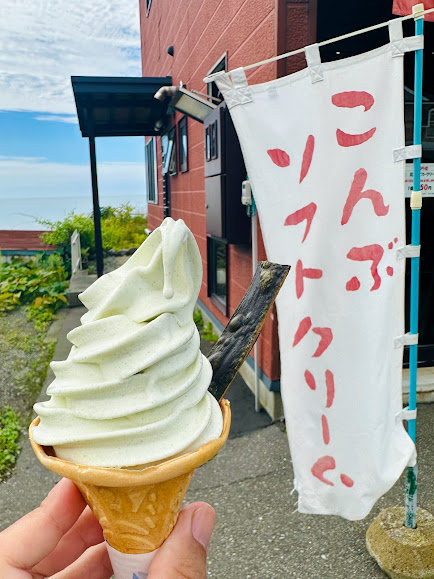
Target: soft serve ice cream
x=133 y=389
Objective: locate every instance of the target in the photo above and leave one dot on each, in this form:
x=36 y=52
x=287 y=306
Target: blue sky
x=42 y=153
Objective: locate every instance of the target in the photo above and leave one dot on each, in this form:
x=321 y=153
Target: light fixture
x=192 y=105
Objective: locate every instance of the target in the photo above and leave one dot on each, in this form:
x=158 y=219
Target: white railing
x=75 y=252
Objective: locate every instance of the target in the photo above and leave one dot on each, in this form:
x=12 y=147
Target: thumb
x=183 y=554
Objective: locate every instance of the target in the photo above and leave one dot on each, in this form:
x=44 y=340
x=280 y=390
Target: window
x=148 y=6
x=164 y=152
x=168 y=152
x=429 y=134
x=217 y=273
x=212 y=89
x=211 y=141
x=182 y=142
x=173 y=162
x=214 y=144
x=151 y=171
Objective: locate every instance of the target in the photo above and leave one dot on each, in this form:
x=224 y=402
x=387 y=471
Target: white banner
x=319 y=149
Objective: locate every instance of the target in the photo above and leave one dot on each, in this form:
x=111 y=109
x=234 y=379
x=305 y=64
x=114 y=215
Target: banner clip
x=409 y=152
x=416 y=200
x=405 y=340
x=313 y=59
x=399 y=44
x=407 y=414
x=418 y=10
x=408 y=251
x=234 y=87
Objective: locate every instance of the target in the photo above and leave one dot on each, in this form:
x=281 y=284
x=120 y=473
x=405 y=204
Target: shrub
x=120 y=229
x=208 y=333
x=37 y=283
x=198 y=318
x=61 y=231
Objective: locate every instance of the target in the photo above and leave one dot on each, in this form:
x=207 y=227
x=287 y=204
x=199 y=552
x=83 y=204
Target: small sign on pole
x=426 y=179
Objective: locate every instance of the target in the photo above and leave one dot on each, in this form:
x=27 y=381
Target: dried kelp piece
x=243 y=329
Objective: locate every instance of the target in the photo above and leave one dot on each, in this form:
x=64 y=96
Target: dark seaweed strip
x=243 y=329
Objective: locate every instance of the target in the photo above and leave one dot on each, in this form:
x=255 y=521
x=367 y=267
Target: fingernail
x=202 y=526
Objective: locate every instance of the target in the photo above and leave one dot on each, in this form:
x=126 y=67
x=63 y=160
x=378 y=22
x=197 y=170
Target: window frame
x=220 y=65
x=222 y=305
x=172 y=168
x=183 y=160
x=165 y=149
x=211 y=142
x=151 y=144
x=430 y=125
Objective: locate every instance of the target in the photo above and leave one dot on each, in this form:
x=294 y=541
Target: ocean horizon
x=23 y=213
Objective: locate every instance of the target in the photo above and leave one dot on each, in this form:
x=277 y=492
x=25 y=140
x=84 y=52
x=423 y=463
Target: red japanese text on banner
x=319 y=150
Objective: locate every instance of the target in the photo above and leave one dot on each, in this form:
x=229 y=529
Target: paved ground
x=258 y=535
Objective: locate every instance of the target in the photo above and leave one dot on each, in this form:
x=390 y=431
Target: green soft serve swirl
x=133 y=389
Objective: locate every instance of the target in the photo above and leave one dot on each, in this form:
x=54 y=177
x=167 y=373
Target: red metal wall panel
x=16 y=240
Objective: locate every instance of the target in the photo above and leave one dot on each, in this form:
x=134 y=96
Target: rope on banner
x=418 y=15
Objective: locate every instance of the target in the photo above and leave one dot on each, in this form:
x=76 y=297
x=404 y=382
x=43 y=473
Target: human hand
x=60 y=539
x=183 y=554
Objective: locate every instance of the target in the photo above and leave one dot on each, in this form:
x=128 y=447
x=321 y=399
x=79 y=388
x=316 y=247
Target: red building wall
x=201 y=31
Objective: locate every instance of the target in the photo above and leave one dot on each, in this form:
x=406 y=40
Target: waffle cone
x=137 y=509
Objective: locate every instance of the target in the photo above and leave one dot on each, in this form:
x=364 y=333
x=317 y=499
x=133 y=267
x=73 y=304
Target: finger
x=12 y=573
x=34 y=536
x=85 y=533
x=94 y=563
x=183 y=554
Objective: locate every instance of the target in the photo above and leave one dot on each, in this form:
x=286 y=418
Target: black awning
x=119 y=106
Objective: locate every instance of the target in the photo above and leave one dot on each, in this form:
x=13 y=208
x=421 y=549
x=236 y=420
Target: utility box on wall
x=226 y=217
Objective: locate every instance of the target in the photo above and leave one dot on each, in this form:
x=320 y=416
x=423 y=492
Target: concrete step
x=77 y=284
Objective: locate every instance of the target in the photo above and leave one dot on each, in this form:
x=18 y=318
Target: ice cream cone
x=138 y=508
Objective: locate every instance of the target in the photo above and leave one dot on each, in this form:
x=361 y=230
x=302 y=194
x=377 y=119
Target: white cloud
x=12 y=158
x=32 y=178
x=44 y=42
x=71 y=119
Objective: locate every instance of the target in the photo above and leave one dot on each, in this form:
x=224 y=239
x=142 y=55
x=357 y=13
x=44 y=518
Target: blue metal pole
x=415 y=203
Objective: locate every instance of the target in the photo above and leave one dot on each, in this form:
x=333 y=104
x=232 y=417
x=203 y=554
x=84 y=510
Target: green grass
x=29 y=379
x=31 y=383
x=10 y=430
x=25 y=354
